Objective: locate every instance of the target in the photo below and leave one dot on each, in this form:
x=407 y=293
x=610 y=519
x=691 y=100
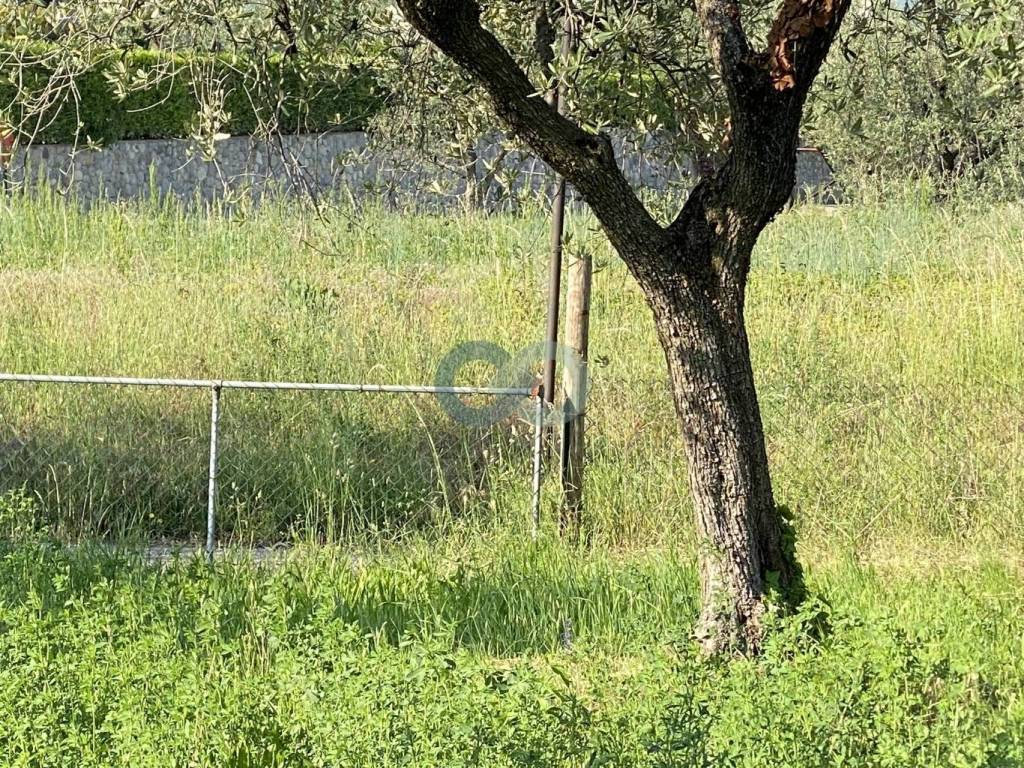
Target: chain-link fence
x=853 y=460
x=255 y=461
x=860 y=458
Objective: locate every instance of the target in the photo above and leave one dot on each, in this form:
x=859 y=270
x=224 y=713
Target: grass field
x=889 y=347
x=452 y=657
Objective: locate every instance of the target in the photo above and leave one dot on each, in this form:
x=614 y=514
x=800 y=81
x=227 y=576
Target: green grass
x=414 y=623
x=453 y=657
x=888 y=344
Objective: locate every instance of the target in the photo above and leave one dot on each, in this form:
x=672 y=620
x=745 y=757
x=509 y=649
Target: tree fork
x=693 y=272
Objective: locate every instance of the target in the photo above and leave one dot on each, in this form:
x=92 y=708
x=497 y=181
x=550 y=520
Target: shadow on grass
x=325 y=474
x=507 y=599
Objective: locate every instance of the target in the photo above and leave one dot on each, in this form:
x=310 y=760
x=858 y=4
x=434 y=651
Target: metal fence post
x=211 y=500
x=215 y=386
x=538 y=449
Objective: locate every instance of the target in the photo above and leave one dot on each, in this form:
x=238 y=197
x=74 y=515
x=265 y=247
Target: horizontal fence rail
x=217 y=386
x=407 y=389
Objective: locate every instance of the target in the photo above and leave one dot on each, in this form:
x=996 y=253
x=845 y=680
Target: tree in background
x=936 y=91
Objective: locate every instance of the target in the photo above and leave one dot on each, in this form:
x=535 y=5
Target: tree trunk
x=694 y=271
x=745 y=548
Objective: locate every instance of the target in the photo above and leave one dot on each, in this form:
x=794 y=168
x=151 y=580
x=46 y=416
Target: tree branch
x=585 y=159
x=723 y=26
x=766 y=92
x=799 y=40
x=544 y=38
x=800 y=37
x=283 y=21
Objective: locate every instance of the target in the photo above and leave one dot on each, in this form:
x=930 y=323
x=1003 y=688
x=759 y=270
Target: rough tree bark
x=283 y=21
x=693 y=272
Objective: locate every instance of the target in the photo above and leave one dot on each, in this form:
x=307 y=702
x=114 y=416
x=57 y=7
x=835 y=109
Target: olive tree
x=931 y=90
x=693 y=270
x=726 y=77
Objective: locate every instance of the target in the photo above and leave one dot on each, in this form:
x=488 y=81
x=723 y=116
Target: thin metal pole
x=120 y=381
x=211 y=500
x=538 y=449
x=554 y=288
x=556 y=99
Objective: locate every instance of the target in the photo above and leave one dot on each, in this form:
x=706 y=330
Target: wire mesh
x=333 y=466
x=865 y=457
x=108 y=460
x=852 y=460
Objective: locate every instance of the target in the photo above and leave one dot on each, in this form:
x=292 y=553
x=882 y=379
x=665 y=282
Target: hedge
x=296 y=98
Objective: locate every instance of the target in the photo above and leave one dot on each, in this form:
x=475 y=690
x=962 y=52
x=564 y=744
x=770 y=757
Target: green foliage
x=920 y=91
x=887 y=342
x=326 y=660
x=20 y=516
x=53 y=97
x=934 y=92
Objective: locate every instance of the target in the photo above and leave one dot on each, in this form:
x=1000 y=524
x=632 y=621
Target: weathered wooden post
x=575 y=379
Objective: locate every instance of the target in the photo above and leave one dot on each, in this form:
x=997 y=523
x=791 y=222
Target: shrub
x=141 y=94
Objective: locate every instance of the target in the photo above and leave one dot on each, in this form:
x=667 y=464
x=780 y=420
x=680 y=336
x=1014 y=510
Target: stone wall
x=338 y=163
